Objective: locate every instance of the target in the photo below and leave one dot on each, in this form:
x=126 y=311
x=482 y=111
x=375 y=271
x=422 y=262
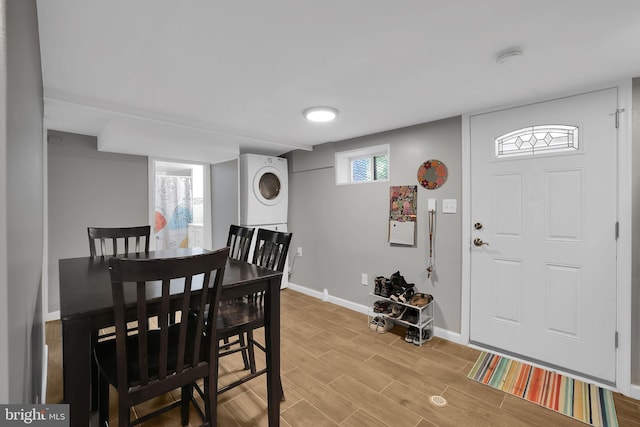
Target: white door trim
x=623 y=359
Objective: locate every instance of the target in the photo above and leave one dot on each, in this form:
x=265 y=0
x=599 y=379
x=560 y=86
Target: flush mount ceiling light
x=320 y=114
x=508 y=56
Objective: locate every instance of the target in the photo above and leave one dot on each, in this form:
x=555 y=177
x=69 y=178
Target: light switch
x=431 y=204
x=449 y=205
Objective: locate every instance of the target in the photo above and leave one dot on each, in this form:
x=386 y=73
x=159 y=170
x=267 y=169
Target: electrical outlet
x=299 y=251
x=365 y=279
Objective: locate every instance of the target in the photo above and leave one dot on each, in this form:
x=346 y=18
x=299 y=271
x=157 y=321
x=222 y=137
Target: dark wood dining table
x=86 y=307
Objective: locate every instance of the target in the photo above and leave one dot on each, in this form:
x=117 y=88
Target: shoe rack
x=422 y=322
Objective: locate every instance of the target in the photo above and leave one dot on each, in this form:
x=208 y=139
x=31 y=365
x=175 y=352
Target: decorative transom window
x=533 y=140
x=368 y=164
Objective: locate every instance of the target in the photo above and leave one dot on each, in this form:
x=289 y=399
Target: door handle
x=478 y=242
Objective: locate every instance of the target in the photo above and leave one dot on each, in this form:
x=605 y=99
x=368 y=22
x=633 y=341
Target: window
x=534 y=140
x=179 y=196
x=369 y=164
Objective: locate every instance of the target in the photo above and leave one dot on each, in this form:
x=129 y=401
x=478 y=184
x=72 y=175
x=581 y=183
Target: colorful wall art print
x=403 y=202
x=403 y=206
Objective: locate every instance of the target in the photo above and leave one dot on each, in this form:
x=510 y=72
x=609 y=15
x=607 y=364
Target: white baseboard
x=448 y=335
x=306 y=291
x=53 y=315
x=634 y=391
x=45 y=372
x=363 y=309
x=328 y=298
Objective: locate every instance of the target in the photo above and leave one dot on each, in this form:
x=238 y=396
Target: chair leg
x=123 y=414
x=282 y=398
x=186 y=395
x=211 y=394
x=95 y=379
x=250 y=350
x=94 y=375
x=245 y=357
x=103 y=405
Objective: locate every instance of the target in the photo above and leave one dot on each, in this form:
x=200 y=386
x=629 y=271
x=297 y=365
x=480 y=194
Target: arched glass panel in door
x=535 y=140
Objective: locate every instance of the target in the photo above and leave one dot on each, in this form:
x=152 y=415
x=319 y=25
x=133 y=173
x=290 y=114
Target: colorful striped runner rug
x=584 y=402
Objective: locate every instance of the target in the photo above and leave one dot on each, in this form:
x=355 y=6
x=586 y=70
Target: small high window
x=534 y=140
x=369 y=164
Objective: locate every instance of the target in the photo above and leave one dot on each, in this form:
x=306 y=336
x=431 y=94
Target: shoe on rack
x=387 y=289
x=411 y=333
x=385 y=325
x=378 y=281
x=406 y=296
x=381 y=306
x=402 y=295
x=396 y=292
x=397 y=311
x=420 y=299
x=425 y=335
x=411 y=316
x=398 y=280
x=373 y=325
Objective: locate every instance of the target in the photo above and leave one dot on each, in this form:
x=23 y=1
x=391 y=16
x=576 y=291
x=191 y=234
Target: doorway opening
x=179 y=196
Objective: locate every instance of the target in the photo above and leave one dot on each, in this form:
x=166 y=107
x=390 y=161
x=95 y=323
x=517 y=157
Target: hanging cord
x=432 y=218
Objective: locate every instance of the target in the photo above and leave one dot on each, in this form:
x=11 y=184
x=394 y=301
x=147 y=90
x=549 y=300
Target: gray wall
x=224 y=200
x=88 y=188
x=635 y=249
x=23 y=339
x=343 y=230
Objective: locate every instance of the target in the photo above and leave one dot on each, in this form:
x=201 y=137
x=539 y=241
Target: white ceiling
x=202 y=79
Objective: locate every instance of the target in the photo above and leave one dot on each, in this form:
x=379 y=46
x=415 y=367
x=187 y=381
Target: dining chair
x=239 y=243
x=108 y=237
x=164 y=357
x=243 y=317
x=113 y=241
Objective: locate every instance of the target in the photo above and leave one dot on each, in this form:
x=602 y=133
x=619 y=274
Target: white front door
x=543 y=204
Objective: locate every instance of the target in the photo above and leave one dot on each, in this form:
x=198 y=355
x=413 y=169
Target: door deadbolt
x=478 y=242
x=477 y=226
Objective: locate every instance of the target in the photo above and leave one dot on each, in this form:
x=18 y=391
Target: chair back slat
x=239 y=242
x=121 y=325
x=168 y=349
x=270 y=250
x=199 y=326
x=110 y=238
x=271 y=255
x=184 y=308
x=143 y=325
x=163 y=325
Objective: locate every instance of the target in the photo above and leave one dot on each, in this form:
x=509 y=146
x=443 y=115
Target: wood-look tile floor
x=336 y=372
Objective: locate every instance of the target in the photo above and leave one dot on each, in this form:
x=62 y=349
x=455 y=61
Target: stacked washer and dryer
x=264 y=198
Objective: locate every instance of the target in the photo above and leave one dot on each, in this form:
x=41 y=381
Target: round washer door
x=267 y=186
